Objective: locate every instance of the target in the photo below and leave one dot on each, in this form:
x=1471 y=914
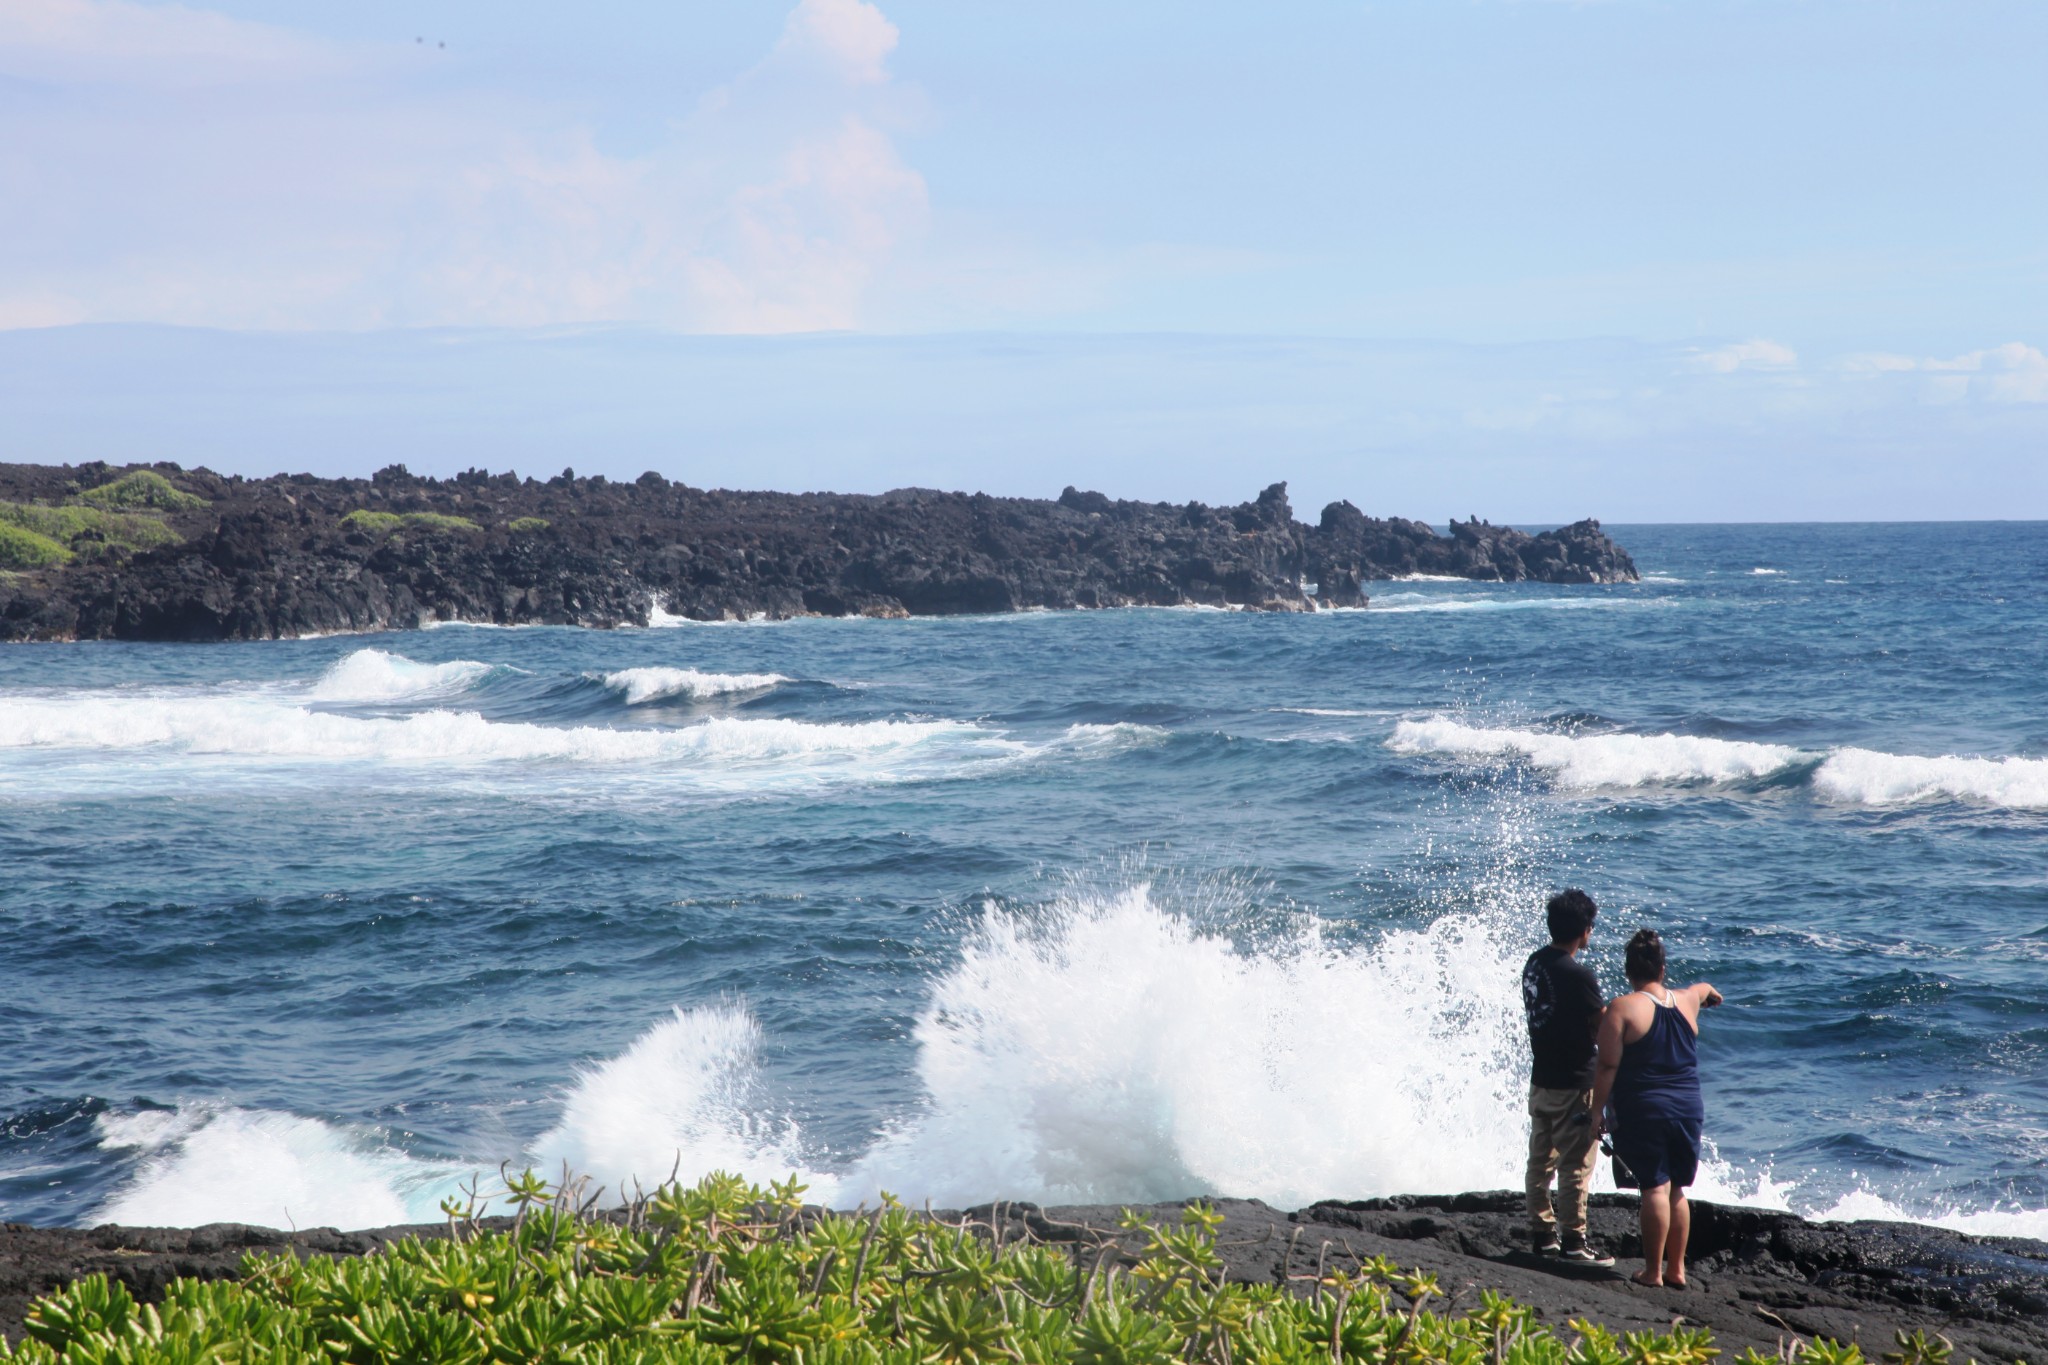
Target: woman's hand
x=1710 y=996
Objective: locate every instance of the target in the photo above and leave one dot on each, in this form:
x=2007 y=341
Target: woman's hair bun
x=1646 y=956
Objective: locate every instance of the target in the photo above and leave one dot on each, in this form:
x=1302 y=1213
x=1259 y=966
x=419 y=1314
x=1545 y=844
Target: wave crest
x=639 y=685
x=372 y=675
x=1593 y=761
x=243 y=727
x=1866 y=777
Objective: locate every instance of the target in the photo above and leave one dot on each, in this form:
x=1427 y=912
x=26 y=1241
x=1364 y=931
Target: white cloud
x=2012 y=373
x=846 y=36
x=291 y=182
x=1756 y=354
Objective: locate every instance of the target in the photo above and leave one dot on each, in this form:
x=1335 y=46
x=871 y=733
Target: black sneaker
x=1583 y=1253
x=1545 y=1242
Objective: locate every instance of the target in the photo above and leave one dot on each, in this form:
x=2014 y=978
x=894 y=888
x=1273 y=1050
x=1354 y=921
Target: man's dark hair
x=1571 y=913
x=1645 y=957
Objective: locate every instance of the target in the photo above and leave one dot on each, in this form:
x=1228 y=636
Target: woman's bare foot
x=1652 y=1283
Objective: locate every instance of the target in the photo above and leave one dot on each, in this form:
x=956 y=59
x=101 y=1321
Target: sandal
x=1637 y=1278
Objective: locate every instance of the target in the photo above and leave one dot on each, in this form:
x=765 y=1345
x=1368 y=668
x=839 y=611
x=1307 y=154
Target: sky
x=1698 y=259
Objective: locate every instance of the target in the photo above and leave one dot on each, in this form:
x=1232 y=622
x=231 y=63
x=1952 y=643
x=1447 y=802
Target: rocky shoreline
x=163 y=553
x=1759 y=1278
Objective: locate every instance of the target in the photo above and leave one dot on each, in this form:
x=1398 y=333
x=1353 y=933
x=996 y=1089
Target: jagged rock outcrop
x=295 y=555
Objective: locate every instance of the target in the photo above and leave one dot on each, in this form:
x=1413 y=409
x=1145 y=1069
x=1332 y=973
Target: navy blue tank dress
x=1655 y=1110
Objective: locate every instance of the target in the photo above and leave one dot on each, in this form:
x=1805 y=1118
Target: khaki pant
x=1566 y=1148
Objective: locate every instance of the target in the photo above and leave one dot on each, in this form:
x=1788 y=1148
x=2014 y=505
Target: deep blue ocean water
x=1118 y=905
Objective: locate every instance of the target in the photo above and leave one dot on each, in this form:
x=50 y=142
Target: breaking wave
x=249 y=727
x=1594 y=761
x=372 y=675
x=640 y=685
x=200 y=1164
x=1849 y=776
x=1104 y=1050
x=1865 y=777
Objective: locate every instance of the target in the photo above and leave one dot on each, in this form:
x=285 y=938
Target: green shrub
x=519 y=524
x=726 y=1273
x=373 y=523
x=436 y=521
x=83 y=529
x=143 y=488
x=21 y=548
x=382 y=523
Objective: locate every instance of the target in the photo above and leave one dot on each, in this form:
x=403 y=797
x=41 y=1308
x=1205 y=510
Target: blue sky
x=1524 y=257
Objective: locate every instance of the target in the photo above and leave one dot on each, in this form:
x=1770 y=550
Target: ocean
x=1110 y=906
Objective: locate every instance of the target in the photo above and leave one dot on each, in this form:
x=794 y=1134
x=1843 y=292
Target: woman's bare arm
x=1609 y=1041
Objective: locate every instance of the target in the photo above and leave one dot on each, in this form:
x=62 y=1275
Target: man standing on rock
x=1562 y=997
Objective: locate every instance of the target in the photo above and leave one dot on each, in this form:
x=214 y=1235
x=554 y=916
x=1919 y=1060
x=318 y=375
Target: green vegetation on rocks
x=84 y=529
x=143 y=488
x=522 y=524
x=726 y=1272
x=381 y=523
x=21 y=548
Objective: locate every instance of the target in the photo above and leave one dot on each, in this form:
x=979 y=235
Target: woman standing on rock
x=1649 y=1075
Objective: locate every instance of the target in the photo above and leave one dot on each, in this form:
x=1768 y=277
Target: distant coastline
x=160 y=552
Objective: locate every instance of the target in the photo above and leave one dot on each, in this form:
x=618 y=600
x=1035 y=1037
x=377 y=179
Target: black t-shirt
x=1562 y=997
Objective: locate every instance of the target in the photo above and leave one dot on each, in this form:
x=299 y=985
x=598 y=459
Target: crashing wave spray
x=1115 y=1051
x=1106 y=1048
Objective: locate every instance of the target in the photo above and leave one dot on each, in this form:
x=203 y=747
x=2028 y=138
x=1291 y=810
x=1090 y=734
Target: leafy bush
x=83 y=529
x=726 y=1273
x=381 y=523
x=518 y=524
x=143 y=488
x=374 y=523
x=21 y=548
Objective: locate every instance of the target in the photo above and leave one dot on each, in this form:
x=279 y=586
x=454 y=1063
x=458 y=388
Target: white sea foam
x=685 y=1097
x=654 y=684
x=2006 y=1222
x=659 y=619
x=207 y=1165
x=1593 y=761
x=1115 y=1050
x=1866 y=777
x=372 y=675
x=1428 y=578
x=1410 y=604
x=1112 y=1050
x=255 y=727
x=1105 y=738
x=1768 y=573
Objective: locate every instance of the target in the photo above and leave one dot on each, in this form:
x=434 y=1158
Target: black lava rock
x=285 y=556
